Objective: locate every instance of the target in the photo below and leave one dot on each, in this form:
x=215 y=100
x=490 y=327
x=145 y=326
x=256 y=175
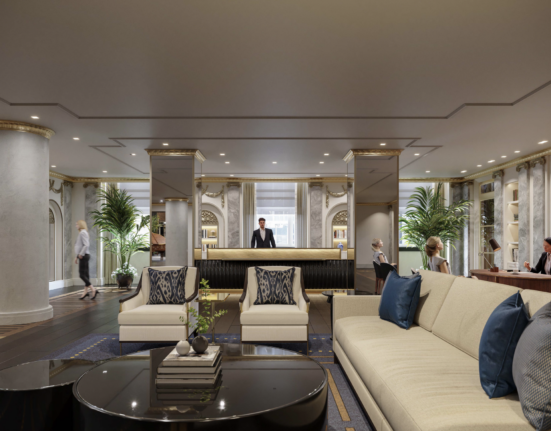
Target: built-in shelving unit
x=209 y=226
x=511 y=219
x=340 y=229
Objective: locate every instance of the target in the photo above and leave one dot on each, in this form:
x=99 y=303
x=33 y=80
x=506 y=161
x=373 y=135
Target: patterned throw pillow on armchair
x=275 y=287
x=167 y=287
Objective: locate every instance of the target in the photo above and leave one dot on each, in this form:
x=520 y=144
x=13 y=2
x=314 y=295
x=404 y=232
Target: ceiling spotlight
x=542 y=142
x=317 y=175
x=503 y=157
x=463 y=172
x=275 y=163
x=161 y=200
x=34 y=117
x=383 y=144
x=227 y=163
x=165 y=144
x=133 y=154
x=54 y=166
x=417 y=154
x=76 y=139
x=428 y=172
x=321 y=163
x=104 y=172
x=202 y=175
x=517 y=151
x=491 y=161
x=222 y=154
x=345 y=175
x=231 y=175
x=478 y=166
x=325 y=154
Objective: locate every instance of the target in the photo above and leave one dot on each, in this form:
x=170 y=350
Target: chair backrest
x=377 y=267
x=189 y=287
x=252 y=284
x=386 y=268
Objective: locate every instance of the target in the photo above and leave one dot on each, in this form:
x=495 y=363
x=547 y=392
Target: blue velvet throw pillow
x=399 y=299
x=497 y=346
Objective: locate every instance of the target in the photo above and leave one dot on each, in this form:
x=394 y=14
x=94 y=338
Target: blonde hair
x=431 y=247
x=375 y=243
x=82 y=225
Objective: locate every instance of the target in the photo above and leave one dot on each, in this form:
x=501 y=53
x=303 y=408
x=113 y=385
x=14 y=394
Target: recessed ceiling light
x=222 y=154
x=321 y=163
x=345 y=175
x=317 y=175
x=54 y=166
x=34 y=117
x=503 y=157
x=231 y=175
x=76 y=139
x=133 y=154
x=517 y=151
x=325 y=154
x=202 y=175
x=275 y=163
x=542 y=142
x=463 y=172
x=478 y=166
x=417 y=154
x=227 y=163
x=165 y=144
x=491 y=161
x=161 y=200
x=428 y=172
x=383 y=144
x=104 y=172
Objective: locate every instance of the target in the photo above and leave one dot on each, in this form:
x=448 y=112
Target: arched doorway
x=55 y=217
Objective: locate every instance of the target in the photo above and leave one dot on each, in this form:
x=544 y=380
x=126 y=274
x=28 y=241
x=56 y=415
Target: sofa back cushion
x=434 y=289
x=189 y=287
x=466 y=310
x=534 y=300
x=252 y=285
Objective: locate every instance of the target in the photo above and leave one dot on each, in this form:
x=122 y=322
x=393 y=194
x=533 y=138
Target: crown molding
x=18 y=126
x=70 y=179
x=373 y=152
x=160 y=152
x=272 y=180
x=376 y=203
x=509 y=164
x=432 y=180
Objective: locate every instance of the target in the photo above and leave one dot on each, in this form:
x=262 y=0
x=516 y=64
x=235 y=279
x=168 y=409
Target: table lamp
x=495 y=247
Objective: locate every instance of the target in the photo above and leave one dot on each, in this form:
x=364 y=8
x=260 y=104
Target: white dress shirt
x=263 y=234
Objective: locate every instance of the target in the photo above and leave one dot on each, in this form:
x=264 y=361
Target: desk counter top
x=524 y=280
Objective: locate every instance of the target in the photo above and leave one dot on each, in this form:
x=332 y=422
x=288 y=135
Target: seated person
x=436 y=262
x=378 y=255
x=544 y=264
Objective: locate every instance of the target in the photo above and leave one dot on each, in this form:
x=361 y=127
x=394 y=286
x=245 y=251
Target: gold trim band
x=373 y=152
x=272 y=180
x=176 y=199
x=18 y=126
x=377 y=203
x=192 y=153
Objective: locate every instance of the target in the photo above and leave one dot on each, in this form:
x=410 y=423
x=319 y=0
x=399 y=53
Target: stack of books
x=192 y=371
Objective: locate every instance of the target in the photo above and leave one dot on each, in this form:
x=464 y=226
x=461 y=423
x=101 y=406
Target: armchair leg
x=120 y=349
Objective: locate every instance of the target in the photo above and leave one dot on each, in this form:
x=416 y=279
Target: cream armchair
x=140 y=322
x=274 y=322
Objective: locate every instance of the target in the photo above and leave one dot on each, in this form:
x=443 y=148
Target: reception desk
x=523 y=280
x=322 y=268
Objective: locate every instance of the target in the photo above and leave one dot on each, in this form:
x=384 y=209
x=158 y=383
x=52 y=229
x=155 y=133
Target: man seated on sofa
x=263 y=237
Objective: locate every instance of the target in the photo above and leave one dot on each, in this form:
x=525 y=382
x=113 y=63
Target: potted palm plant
x=120 y=219
x=428 y=215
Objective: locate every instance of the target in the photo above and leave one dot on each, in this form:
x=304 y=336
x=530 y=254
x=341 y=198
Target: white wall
x=371 y=222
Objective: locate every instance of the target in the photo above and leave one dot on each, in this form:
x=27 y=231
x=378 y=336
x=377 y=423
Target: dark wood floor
x=74 y=319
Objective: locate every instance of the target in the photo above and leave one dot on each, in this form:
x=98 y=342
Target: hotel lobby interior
x=250 y=215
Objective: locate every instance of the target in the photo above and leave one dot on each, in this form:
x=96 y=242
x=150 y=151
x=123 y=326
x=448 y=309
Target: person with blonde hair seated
x=378 y=255
x=436 y=262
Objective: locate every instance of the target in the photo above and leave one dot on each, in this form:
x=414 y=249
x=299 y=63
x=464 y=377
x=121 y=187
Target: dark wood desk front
x=524 y=280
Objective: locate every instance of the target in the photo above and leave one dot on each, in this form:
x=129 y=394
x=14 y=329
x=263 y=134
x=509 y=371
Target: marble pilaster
x=68 y=253
x=316 y=208
x=91 y=204
x=538 y=205
x=197 y=211
x=499 y=256
x=234 y=219
x=523 y=214
x=457 y=252
x=466 y=193
x=350 y=227
x=177 y=228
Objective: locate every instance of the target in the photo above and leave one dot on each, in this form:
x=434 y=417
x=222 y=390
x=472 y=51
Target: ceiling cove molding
x=97 y=180
x=432 y=180
x=272 y=180
x=282 y=117
x=18 y=126
x=195 y=153
x=371 y=152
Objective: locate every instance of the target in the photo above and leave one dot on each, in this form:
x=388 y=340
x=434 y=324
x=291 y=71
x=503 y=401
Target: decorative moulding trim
x=498 y=174
x=272 y=180
x=195 y=153
x=18 y=126
x=525 y=165
x=97 y=180
x=176 y=199
x=432 y=180
x=538 y=161
x=372 y=152
x=377 y=203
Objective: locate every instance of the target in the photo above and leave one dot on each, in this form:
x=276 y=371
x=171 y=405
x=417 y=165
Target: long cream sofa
x=426 y=378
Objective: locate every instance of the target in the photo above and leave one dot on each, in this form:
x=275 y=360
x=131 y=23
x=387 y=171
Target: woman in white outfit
x=436 y=262
x=83 y=258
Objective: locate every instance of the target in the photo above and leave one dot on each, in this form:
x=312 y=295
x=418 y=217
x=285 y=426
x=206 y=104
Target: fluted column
x=234 y=219
x=523 y=214
x=499 y=256
x=24 y=157
x=538 y=205
x=177 y=231
x=316 y=208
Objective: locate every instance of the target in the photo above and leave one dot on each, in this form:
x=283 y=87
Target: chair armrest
x=132 y=301
x=244 y=297
x=196 y=290
x=303 y=301
x=355 y=305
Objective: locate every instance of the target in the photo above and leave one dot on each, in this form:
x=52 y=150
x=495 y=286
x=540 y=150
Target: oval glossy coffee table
x=262 y=388
x=39 y=395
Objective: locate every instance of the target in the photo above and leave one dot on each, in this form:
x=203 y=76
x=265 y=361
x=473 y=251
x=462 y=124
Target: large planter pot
x=200 y=344
x=124 y=281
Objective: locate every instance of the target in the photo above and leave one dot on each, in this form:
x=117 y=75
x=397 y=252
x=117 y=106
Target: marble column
x=198 y=211
x=523 y=214
x=177 y=228
x=391 y=233
x=466 y=194
x=24 y=157
x=234 y=219
x=91 y=204
x=499 y=256
x=68 y=252
x=538 y=205
x=457 y=252
x=350 y=228
x=316 y=208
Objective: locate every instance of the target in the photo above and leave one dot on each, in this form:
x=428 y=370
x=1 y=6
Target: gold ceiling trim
x=432 y=180
x=61 y=176
x=176 y=199
x=373 y=152
x=18 y=126
x=272 y=180
x=376 y=203
x=97 y=180
x=160 y=152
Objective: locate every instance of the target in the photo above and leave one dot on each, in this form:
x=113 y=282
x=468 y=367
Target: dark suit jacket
x=540 y=267
x=269 y=239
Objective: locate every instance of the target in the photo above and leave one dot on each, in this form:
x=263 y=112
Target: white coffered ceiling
x=457 y=82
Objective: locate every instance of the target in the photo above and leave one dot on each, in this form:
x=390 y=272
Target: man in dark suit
x=263 y=237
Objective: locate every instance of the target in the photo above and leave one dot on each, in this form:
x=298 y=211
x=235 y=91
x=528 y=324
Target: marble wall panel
x=499 y=256
x=68 y=229
x=523 y=214
x=538 y=207
x=234 y=205
x=316 y=209
x=457 y=252
x=350 y=202
x=90 y=204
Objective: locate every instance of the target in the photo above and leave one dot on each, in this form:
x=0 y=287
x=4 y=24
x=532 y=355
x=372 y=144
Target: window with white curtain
x=276 y=202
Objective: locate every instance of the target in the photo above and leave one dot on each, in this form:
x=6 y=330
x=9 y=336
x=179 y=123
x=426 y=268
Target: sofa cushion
x=167 y=287
x=274 y=287
x=534 y=300
x=160 y=314
x=274 y=314
x=466 y=310
x=497 y=346
x=434 y=288
x=399 y=299
x=421 y=382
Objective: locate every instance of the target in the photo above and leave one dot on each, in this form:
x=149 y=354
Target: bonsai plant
x=203 y=319
x=428 y=215
x=120 y=218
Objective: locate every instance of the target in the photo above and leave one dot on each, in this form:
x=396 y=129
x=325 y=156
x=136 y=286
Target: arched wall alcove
x=56 y=241
x=329 y=222
x=221 y=222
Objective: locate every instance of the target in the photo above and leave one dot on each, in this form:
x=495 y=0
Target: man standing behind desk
x=263 y=237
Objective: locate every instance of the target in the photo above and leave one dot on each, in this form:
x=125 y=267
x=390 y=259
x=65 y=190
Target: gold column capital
x=18 y=126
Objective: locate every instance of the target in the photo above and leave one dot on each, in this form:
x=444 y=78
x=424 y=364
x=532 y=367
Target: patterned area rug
x=345 y=413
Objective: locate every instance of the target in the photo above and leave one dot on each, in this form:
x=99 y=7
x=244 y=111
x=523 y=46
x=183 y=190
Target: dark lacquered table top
x=254 y=379
x=43 y=374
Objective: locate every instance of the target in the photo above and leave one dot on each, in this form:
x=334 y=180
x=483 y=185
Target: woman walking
x=83 y=258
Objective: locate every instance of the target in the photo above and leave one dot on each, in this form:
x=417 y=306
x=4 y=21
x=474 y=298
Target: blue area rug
x=345 y=412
